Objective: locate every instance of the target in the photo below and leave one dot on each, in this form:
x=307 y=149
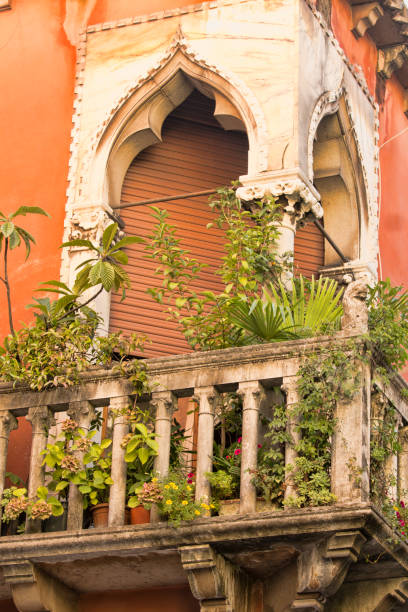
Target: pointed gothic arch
x=136 y=120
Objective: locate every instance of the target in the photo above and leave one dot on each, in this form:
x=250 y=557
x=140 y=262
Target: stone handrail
x=250 y=371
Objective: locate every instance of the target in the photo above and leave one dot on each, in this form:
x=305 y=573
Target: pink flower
x=228 y=457
x=190 y=475
x=239 y=440
x=237 y=451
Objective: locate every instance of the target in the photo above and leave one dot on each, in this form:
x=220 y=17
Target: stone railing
x=252 y=372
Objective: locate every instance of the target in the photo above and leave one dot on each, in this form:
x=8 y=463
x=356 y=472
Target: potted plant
x=15 y=503
x=225 y=479
x=175 y=498
x=141 y=447
x=91 y=474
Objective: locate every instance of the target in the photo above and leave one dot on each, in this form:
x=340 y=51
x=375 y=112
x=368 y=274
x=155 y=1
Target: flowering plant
x=90 y=472
x=225 y=479
x=174 y=496
x=15 y=502
x=400 y=518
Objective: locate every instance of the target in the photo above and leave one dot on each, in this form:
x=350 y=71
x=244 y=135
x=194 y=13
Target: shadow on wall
x=175 y=599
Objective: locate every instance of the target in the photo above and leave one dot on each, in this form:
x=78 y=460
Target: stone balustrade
x=254 y=373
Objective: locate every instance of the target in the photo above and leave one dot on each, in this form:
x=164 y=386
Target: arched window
x=195 y=154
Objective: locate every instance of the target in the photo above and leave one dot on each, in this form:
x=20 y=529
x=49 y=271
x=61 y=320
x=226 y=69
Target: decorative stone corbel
x=88 y=223
x=322 y=569
x=365 y=16
x=215 y=582
x=35 y=591
x=395 y=600
x=355 y=317
x=391 y=59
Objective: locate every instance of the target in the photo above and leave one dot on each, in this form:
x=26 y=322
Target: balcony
x=236 y=562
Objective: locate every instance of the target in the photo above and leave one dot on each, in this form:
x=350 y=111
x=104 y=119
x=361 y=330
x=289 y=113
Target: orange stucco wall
x=177 y=599
x=393 y=227
x=108 y=10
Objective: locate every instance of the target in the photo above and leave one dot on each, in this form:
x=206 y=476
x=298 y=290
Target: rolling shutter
x=309 y=251
x=196 y=154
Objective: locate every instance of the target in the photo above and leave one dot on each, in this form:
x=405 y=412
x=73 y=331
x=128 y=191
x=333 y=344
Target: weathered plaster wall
x=393 y=216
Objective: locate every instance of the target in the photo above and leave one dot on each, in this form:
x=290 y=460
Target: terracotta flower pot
x=100 y=515
x=139 y=515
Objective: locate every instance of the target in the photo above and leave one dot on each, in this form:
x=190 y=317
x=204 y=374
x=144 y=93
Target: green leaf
x=42 y=492
x=84 y=489
x=61 y=485
x=32 y=210
x=106 y=443
x=7 y=228
x=142 y=428
x=143 y=454
x=95 y=273
x=133 y=502
x=128 y=240
x=78 y=243
x=108 y=235
x=107 y=275
x=14 y=240
x=120 y=256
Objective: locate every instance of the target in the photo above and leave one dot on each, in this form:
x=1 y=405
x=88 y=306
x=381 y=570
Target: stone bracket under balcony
x=312 y=549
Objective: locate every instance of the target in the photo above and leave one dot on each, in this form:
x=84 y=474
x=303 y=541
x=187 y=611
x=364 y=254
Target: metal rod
x=317 y=223
x=179 y=196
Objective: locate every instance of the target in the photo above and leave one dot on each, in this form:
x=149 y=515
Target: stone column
x=392 y=462
x=351 y=444
x=252 y=393
x=164 y=403
x=403 y=462
x=8 y=422
x=117 y=497
x=289 y=387
x=41 y=419
x=207 y=398
x=83 y=413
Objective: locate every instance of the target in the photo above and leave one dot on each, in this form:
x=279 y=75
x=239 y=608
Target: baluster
x=391 y=464
x=207 y=399
x=164 y=403
x=403 y=464
x=41 y=419
x=117 y=497
x=350 y=465
x=8 y=422
x=289 y=387
x=83 y=413
x=252 y=393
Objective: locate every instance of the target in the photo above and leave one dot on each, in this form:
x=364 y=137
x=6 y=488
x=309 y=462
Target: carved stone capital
x=35 y=591
x=355 y=315
x=322 y=569
x=82 y=412
x=41 y=418
x=391 y=59
x=206 y=581
x=88 y=223
x=8 y=422
x=300 y=197
x=365 y=16
x=252 y=393
x=164 y=402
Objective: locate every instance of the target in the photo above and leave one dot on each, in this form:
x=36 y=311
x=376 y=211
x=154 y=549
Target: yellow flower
x=205 y=506
x=154 y=479
x=174 y=486
x=188 y=488
x=184 y=502
x=168 y=502
x=212 y=506
x=197 y=512
x=171 y=484
x=166 y=487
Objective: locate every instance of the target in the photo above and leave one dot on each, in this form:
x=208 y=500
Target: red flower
x=189 y=481
x=259 y=445
x=239 y=440
x=402 y=504
x=190 y=475
x=237 y=451
x=228 y=457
